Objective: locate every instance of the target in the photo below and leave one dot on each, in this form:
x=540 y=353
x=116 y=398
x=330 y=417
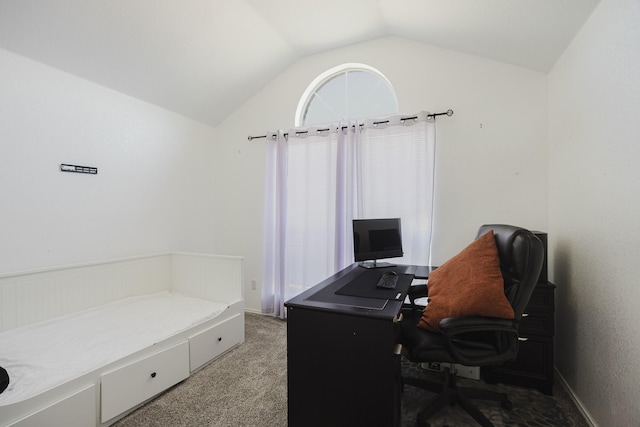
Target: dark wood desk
x=343 y=364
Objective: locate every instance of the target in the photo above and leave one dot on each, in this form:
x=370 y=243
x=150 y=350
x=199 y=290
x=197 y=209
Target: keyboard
x=387 y=281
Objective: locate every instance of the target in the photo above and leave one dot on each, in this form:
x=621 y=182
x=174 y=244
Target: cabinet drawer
x=533 y=366
x=212 y=342
x=541 y=301
x=536 y=324
x=77 y=410
x=132 y=384
x=533 y=357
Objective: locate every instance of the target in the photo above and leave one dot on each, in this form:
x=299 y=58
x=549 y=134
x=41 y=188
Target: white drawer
x=212 y=342
x=77 y=410
x=132 y=384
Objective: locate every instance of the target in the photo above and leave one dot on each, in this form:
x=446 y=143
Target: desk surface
x=353 y=291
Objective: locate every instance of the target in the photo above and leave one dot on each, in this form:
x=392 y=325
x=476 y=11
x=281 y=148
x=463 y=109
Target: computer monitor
x=375 y=239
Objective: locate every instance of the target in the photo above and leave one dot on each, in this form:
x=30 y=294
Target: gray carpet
x=248 y=387
x=530 y=407
x=245 y=387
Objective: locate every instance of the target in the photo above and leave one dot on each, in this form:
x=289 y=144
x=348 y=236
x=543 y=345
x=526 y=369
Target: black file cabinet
x=533 y=366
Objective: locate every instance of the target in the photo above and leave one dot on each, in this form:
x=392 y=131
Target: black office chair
x=474 y=340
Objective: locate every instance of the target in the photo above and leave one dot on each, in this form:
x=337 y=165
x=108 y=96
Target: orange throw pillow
x=469 y=284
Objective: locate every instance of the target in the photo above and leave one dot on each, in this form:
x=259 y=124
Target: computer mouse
x=391 y=273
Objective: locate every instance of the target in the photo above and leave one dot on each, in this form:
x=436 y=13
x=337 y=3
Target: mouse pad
x=365 y=286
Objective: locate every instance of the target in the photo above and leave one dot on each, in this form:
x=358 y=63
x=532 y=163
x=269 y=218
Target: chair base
x=449 y=393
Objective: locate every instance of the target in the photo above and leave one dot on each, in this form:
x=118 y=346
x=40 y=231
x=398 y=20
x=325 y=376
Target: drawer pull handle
x=523 y=339
x=153 y=374
x=525 y=314
x=397 y=349
x=219 y=339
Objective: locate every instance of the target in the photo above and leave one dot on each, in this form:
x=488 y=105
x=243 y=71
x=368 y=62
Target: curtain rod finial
x=449 y=112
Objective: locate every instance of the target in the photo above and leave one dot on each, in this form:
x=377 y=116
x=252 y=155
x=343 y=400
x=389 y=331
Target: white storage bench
x=84 y=345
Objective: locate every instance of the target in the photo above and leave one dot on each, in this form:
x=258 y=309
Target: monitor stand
x=376 y=264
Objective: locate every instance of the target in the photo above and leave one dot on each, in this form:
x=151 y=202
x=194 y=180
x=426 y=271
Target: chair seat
x=420 y=345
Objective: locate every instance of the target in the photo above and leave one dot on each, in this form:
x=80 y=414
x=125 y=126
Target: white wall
x=153 y=191
x=491 y=155
x=594 y=200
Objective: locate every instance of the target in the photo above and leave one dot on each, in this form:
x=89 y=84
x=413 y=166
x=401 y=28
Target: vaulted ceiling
x=205 y=58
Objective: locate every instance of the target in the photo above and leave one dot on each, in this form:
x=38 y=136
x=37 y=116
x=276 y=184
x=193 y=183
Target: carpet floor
x=247 y=387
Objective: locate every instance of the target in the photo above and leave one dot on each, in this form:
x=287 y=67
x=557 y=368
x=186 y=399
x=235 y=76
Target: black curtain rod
x=446 y=113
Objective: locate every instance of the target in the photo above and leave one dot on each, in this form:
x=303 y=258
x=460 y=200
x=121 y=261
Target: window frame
x=317 y=83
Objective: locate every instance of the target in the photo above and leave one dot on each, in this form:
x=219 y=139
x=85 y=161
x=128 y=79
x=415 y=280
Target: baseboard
x=583 y=411
x=249 y=310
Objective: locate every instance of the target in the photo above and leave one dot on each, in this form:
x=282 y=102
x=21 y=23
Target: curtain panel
x=320 y=178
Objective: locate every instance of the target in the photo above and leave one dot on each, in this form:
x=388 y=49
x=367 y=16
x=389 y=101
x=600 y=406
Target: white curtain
x=319 y=179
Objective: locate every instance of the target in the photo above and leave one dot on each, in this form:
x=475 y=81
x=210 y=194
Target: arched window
x=348 y=91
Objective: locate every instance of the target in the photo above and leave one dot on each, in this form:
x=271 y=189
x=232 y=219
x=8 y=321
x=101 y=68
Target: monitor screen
x=375 y=239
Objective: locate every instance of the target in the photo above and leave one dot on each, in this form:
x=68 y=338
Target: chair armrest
x=417 y=291
x=478 y=340
x=452 y=326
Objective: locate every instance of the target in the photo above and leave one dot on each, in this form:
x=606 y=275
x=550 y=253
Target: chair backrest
x=521 y=255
